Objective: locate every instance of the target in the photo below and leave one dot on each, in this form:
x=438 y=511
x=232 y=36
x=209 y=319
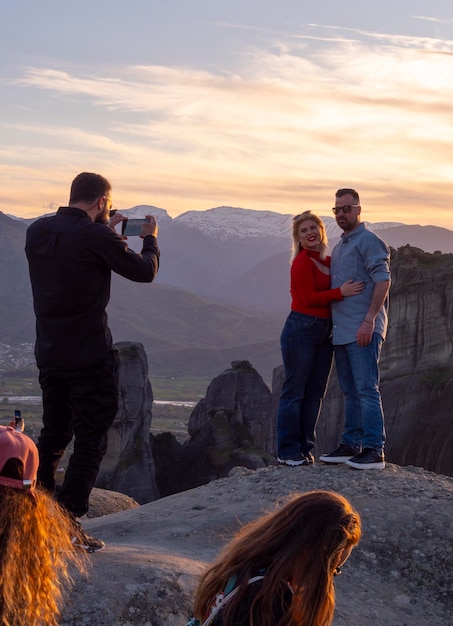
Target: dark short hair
x=86 y=187
x=345 y=192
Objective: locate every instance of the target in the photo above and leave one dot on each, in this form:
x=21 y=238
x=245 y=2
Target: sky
x=194 y=104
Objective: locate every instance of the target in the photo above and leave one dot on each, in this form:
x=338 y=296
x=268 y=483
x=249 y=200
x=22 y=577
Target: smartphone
x=18 y=421
x=133 y=228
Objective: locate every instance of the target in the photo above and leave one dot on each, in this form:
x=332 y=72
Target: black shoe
x=367 y=459
x=298 y=459
x=82 y=541
x=342 y=454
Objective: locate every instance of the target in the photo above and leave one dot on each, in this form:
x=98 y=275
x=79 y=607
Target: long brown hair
x=297 y=221
x=301 y=543
x=36 y=555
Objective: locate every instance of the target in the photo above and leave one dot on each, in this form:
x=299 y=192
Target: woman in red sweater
x=306 y=340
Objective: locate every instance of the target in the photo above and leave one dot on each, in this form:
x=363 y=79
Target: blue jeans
x=358 y=375
x=307 y=357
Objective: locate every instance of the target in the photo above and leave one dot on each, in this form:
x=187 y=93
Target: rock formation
x=104 y=502
x=242 y=395
x=231 y=426
x=128 y=466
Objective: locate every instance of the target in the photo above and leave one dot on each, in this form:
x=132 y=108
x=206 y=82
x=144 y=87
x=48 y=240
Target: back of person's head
x=344 y=192
x=87 y=187
x=300 y=219
x=310 y=531
x=319 y=526
x=35 y=539
x=301 y=543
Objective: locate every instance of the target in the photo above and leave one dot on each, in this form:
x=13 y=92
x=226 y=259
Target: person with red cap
x=36 y=549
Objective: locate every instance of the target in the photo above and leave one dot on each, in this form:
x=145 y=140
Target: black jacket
x=70 y=260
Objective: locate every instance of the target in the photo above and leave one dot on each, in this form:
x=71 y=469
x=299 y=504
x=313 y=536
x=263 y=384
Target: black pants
x=82 y=403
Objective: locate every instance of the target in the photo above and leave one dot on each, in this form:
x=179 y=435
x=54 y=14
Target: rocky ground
x=401 y=573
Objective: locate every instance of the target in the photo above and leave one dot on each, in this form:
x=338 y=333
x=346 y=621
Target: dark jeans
x=82 y=403
x=307 y=356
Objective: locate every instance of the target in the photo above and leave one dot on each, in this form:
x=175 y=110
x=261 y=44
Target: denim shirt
x=361 y=256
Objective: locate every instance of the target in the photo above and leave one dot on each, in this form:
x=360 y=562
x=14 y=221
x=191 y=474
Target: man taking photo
x=71 y=256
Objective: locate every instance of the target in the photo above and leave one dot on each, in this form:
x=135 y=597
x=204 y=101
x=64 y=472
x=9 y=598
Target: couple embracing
x=342 y=300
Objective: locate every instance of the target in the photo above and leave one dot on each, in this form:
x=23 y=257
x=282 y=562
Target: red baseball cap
x=15 y=445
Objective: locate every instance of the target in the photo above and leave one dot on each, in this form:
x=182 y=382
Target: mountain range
x=222 y=292
x=241 y=256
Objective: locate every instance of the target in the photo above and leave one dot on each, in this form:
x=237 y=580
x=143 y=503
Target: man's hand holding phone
x=115 y=218
x=149 y=227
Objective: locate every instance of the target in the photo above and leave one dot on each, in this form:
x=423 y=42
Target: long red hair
x=301 y=543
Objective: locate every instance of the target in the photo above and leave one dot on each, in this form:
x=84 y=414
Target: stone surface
x=104 y=502
x=399 y=575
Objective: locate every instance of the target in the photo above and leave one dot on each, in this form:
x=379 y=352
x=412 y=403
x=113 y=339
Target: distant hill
x=266 y=285
x=427 y=238
x=17 y=321
x=241 y=256
x=182 y=332
x=185 y=334
x=222 y=291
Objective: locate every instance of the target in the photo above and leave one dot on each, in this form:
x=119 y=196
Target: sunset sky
x=193 y=104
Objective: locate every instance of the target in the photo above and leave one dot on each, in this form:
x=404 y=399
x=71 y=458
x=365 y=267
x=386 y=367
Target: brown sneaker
x=82 y=541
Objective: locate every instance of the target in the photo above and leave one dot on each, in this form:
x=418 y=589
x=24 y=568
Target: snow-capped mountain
x=227 y=222
x=224 y=222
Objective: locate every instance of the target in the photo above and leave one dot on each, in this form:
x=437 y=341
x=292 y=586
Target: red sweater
x=310 y=287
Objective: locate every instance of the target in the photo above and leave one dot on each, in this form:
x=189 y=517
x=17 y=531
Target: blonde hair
x=297 y=221
x=36 y=554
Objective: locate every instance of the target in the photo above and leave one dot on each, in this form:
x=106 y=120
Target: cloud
x=313 y=111
x=367 y=37
x=437 y=20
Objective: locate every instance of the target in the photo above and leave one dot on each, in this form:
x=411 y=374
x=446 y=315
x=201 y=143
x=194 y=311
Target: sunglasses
x=346 y=208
